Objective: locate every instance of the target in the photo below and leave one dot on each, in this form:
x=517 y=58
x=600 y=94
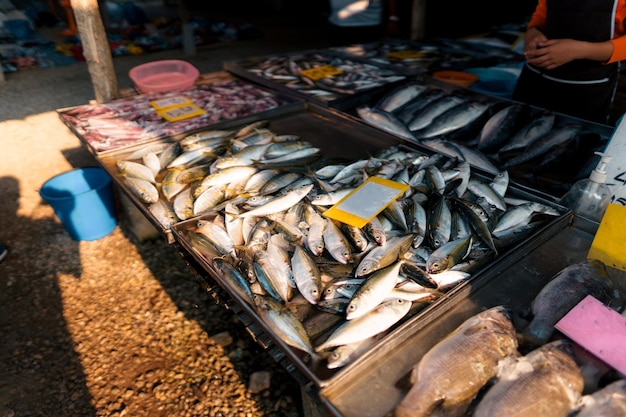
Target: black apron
x=581 y=88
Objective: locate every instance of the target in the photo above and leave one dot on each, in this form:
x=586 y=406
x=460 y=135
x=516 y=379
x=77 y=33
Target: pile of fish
x=493 y=136
x=480 y=370
x=251 y=203
x=129 y=121
x=338 y=77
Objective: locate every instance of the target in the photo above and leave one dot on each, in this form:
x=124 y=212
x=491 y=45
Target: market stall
x=350 y=288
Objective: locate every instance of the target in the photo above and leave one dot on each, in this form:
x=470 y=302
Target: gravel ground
x=116 y=326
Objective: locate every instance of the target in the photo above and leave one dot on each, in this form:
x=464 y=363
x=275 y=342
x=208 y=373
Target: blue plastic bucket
x=83 y=200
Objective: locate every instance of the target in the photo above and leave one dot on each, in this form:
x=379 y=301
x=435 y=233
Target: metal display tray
x=337 y=135
x=378 y=382
x=149 y=127
x=249 y=69
x=576 y=159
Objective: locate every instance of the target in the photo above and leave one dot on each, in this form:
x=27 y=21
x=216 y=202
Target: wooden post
x=96 y=49
x=418 y=20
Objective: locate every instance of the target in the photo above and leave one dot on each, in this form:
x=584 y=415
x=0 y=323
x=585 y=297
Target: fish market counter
x=348 y=310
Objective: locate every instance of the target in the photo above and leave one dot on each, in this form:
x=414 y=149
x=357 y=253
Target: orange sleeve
x=619 y=38
x=540 y=14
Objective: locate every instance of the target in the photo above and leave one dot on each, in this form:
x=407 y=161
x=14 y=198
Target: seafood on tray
x=488 y=367
x=489 y=134
x=251 y=202
x=129 y=121
x=323 y=76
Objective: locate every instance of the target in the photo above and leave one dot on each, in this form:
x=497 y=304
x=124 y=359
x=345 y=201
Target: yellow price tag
x=363 y=203
x=405 y=54
x=320 y=72
x=608 y=243
x=164 y=103
x=186 y=111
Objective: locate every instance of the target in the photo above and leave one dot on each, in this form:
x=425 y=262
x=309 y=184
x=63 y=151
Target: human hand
x=533 y=38
x=553 y=53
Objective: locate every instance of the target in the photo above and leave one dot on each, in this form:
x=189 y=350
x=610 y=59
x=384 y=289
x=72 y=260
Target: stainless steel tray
x=576 y=159
x=135 y=115
x=338 y=136
x=376 y=384
x=257 y=69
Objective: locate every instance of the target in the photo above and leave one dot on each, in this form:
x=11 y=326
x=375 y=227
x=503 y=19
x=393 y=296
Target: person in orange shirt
x=573 y=52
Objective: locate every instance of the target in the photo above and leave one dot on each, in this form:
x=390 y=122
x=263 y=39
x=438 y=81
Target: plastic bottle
x=590 y=197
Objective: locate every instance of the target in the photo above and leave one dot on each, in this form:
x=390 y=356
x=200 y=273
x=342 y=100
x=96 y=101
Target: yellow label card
x=608 y=243
x=405 y=54
x=186 y=111
x=320 y=72
x=164 y=103
x=366 y=201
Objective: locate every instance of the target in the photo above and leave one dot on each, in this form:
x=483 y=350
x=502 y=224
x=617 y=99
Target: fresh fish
x=208 y=200
x=521 y=215
x=384 y=121
x=283 y=323
x=314 y=239
x=533 y=130
x=484 y=190
x=193 y=173
x=434 y=109
x=145 y=190
x=500 y=183
x=451 y=373
x=554 y=138
x=306 y=275
x=274 y=273
x=235 y=279
x=564 y=290
x=462 y=152
x=417 y=105
x=439 y=222
x=476 y=222
x=356 y=236
x=448 y=255
x=151 y=160
x=381 y=256
x=234 y=224
x=130 y=169
x=231 y=175
x=217 y=235
x=245 y=157
x=170 y=186
x=346 y=354
x=336 y=243
x=298 y=157
x=455 y=118
x=281 y=203
x=609 y=401
x=163 y=211
x=330 y=198
x=502 y=125
x=193 y=157
x=373 y=291
x=169 y=154
x=183 y=204
x=375 y=230
x=371 y=324
x=545 y=382
x=401 y=96
x=259 y=179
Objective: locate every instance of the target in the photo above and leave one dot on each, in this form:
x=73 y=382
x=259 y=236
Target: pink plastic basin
x=166 y=75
